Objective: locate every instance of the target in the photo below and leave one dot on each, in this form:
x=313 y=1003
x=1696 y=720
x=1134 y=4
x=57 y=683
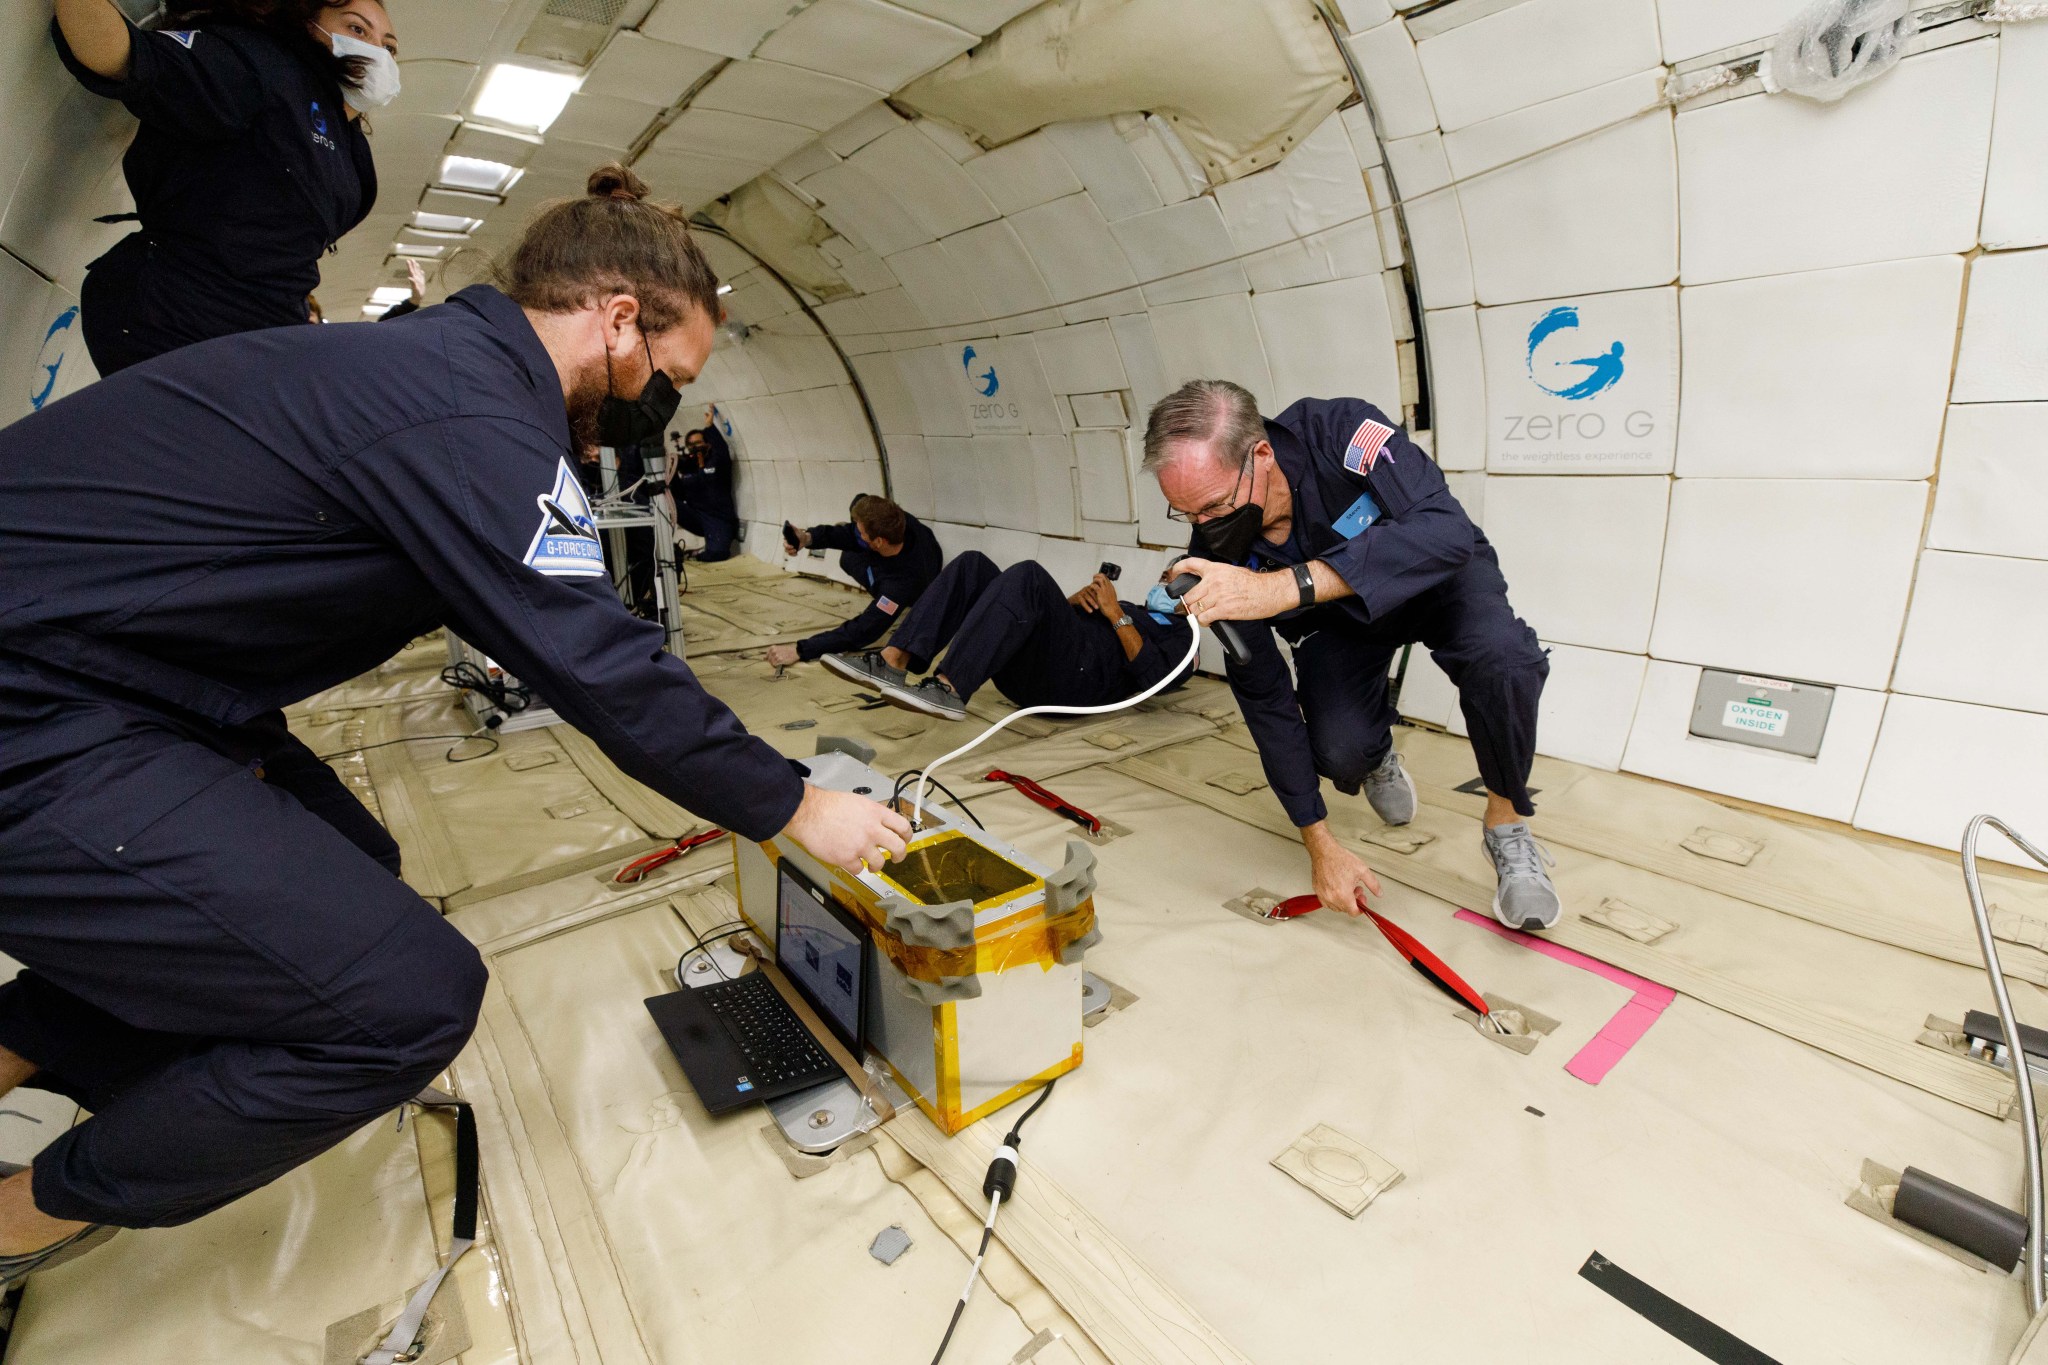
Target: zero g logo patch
x=1572 y=379
x=181 y=36
x=565 y=545
x=985 y=382
x=50 y=363
x=320 y=128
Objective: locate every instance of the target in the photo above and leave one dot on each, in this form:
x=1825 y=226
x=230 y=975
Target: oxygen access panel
x=1768 y=713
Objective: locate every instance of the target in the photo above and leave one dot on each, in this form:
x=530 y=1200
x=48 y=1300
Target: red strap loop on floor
x=1058 y=805
x=662 y=857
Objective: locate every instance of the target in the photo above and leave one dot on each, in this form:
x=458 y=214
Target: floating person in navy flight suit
x=219 y=973
x=1012 y=627
x=885 y=550
x=251 y=161
x=1328 y=527
x=702 y=489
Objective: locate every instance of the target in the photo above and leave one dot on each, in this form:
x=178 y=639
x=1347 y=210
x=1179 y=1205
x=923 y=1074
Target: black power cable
x=999 y=1184
x=511 y=698
x=896 y=796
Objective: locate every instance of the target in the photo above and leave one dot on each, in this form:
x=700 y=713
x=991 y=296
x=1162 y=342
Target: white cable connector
x=924 y=778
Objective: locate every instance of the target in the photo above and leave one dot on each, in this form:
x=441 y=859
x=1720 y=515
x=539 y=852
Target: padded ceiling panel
x=1974 y=632
x=864 y=211
x=1400 y=93
x=1052 y=459
x=459 y=33
x=1596 y=215
x=601 y=119
x=737 y=137
x=1789 y=577
x=1994 y=481
x=993 y=261
x=1215 y=339
x=2004 y=355
x=1939 y=763
x=1534 y=51
x=1330 y=340
x=1588 y=704
x=730 y=28
x=1318 y=185
x=1693 y=28
x=935 y=284
x=635 y=67
x=1581 y=555
x=977 y=16
x=1770 y=184
x=429 y=86
x=1108 y=168
x=787 y=93
x=1073 y=249
x=868 y=41
x=1828 y=374
x=1022 y=174
x=1081 y=359
x=929 y=184
x=2016 y=194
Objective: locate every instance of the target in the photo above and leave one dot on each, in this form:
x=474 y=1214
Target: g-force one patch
x=566 y=544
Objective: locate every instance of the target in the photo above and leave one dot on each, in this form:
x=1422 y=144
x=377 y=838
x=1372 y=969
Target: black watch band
x=1305 y=581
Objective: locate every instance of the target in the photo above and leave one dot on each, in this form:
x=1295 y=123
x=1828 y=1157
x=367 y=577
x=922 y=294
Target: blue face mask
x=1160 y=601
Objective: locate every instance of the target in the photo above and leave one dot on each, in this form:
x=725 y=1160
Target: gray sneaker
x=865 y=669
x=1391 y=791
x=932 y=697
x=1526 y=899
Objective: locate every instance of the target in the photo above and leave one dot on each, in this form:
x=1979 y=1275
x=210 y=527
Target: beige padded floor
x=626 y=1225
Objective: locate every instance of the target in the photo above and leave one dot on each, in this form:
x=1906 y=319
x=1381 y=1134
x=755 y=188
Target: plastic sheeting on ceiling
x=1241 y=84
x=783 y=231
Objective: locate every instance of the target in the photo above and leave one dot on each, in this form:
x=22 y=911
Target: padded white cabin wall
x=1797 y=273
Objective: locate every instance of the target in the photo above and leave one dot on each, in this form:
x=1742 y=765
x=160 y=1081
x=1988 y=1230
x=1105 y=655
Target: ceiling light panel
x=390 y=294
x=446 y=222
x=790 y=93
x=635 y=67
x=471 y=173
x=523 y=96
x=418 y=250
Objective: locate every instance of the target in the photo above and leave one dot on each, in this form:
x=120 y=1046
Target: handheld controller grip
x=1226 y=631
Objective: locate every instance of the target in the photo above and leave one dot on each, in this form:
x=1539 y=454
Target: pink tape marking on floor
x=1624 y=1030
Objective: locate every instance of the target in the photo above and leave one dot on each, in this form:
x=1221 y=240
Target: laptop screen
x=818 y=947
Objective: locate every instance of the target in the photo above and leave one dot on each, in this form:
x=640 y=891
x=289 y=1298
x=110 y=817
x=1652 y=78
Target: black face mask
x=1228 y=538
x=626 y=422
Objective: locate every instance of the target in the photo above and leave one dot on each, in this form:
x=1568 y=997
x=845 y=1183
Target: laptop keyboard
x=775 y=1043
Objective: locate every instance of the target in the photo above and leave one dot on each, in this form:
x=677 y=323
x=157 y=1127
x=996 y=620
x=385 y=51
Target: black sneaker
x=932 y=697
x=863 y=669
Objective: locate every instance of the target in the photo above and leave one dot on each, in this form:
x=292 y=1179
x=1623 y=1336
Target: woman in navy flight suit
x=251 y=161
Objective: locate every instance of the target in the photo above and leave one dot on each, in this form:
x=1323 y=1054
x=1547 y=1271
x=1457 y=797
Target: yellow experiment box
x=974 y=989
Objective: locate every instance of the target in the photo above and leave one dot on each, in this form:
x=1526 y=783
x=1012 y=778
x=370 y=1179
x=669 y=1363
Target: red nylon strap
x=662 y=857
x=1058 y=805
x=1419 y=957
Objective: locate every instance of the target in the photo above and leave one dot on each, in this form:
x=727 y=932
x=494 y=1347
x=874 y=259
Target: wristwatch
x=1124 y=622
x=1305 y=581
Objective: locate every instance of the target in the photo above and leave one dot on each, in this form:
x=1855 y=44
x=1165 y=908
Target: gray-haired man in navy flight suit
x=1328 y=527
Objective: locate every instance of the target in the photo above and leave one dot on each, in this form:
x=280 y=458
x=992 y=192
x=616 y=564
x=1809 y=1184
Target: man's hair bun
x=616 y=182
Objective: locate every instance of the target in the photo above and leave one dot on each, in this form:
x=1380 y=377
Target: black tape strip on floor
x=1668 y=1313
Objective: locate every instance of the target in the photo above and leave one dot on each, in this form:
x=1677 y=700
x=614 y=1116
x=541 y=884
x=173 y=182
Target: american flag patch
x=886 y=605
x=1366 y=445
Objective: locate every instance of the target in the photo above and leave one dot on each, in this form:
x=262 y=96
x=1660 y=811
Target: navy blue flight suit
x=245 y=170
x=893 y=581
x=1423 y=573
x=1015 y=628
x=217 y=969
x=704 y=499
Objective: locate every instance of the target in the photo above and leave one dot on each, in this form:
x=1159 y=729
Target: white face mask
x=380 y=74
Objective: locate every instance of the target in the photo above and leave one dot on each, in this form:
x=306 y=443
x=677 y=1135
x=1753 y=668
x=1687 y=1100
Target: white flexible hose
x=1194 y=648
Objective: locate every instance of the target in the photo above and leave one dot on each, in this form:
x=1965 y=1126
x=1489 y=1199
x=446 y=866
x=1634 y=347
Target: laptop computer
x=739 y=1041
